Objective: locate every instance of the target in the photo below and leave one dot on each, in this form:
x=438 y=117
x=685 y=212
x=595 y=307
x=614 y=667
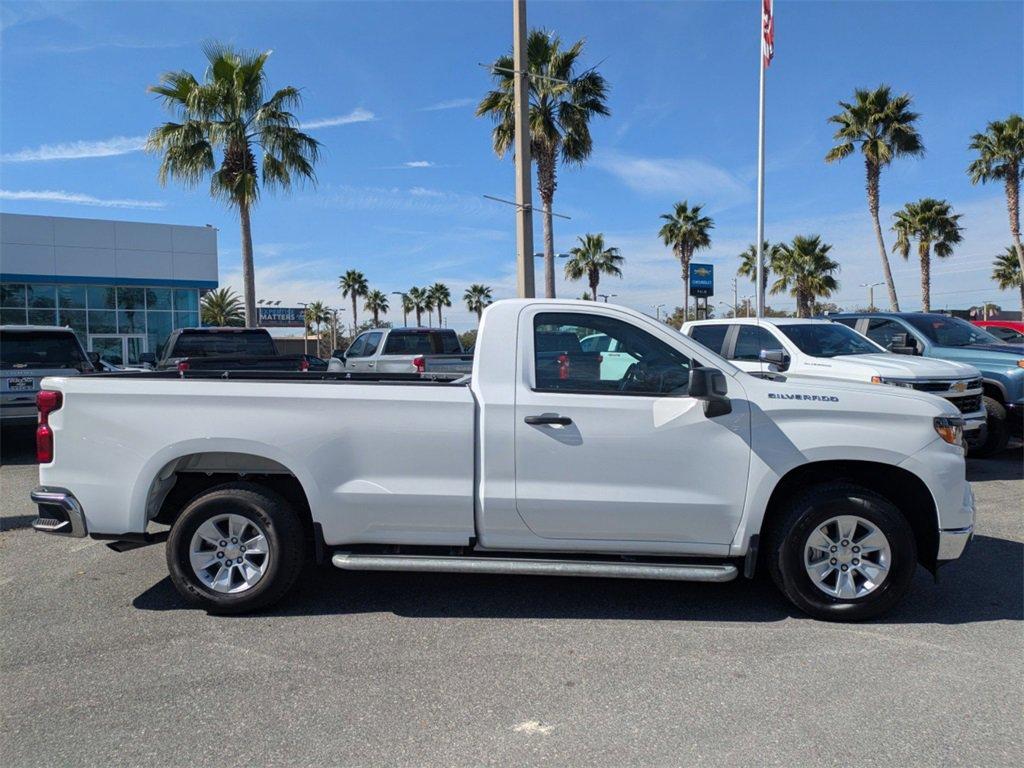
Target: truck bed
x=301 y=377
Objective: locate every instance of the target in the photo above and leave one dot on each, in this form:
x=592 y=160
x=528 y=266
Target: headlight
x=950 y=429
x=892 y=382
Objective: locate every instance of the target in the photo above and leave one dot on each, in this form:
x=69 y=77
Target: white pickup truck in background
x=826 y=350
x=678 y=466
x=430 y=352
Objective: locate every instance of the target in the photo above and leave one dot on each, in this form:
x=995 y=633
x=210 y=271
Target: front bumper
x=953 y=541
x=60 y=514
x=973 y=421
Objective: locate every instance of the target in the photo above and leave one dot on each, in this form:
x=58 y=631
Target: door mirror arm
x=709 y=385
x=776 y=357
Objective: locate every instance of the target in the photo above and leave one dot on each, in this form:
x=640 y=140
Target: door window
x=881 y=331
x=562 y=364
x=372 y=342
x=711 y=336
x=751 y=340
x=356 y=350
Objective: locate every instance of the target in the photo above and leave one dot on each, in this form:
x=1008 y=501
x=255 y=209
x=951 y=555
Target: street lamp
x=405 y=314
x=305 y=328
x=607 y=296
x=657 y=311
x=871 y=294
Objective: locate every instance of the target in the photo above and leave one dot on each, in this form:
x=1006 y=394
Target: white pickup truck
x=679 y=467
x=826 y=350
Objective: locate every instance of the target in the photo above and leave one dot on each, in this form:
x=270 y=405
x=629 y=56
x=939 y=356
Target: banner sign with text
x=281 y=317
x=702 y=280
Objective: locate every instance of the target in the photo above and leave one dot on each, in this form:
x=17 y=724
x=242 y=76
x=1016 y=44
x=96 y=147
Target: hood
x=907 y=367
x=982 y=355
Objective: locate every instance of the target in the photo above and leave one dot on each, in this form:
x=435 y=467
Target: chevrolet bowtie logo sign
x=959 y=387
x=702 y=280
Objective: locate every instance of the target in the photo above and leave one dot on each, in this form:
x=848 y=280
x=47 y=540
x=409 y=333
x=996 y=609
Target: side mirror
x=147 y=358
x=709 y=385
x=775 y=357
x=901 y=344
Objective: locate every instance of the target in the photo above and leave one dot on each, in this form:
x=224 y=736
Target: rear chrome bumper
x=60 y=514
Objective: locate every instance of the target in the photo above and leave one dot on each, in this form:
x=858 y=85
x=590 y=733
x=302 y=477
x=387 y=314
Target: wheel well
x=186 y=477
x=992 y=390
x=904 y=489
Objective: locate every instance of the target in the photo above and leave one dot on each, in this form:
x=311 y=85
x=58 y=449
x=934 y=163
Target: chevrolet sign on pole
x=702 y=280
x=280 y=317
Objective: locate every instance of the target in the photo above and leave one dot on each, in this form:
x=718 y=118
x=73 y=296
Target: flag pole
x=759 y=287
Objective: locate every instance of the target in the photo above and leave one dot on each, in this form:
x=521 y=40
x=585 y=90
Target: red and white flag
x=767 y=31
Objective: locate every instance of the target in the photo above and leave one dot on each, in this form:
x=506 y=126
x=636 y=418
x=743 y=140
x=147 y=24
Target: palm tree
x=407 y=307
x=562 y=103
x=1000 y=156
x=1007 y=272
x=477 y=297
x=805 y=269
x=420 y=302
x=590 y=259
x=883 y=126
x=227 y=113
x=376 y=303
x=222 y=307
x=353 y=285
x=440 y=297
x=685 y=230
x=936 y=228
x=748 y=263
x=316 y=315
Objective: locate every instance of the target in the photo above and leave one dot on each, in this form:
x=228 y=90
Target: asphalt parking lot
x=101 y=663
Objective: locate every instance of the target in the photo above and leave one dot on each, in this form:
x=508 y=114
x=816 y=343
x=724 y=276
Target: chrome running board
x=351 y=561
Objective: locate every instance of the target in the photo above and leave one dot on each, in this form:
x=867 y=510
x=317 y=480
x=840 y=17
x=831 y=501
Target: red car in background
x=1011 y=331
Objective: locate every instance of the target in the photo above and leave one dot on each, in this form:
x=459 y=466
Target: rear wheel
x=841 y=552
x=236 y=548
x=998 y=430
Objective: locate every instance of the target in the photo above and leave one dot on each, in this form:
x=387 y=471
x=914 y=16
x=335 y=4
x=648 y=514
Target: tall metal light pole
x=405 y=314
x=607 y=296
x=871 y=294
x=305 y=328
x=524 y=200
x=657 y=311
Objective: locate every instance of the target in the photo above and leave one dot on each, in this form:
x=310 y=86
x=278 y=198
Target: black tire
x=786 y=538
x=998 y=430
x=282 y=529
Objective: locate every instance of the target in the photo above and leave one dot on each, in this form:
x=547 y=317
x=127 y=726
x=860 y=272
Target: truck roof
x=758 y=321
x=47 y=328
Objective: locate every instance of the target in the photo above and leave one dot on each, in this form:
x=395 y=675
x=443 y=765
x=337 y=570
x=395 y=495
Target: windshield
x=828 y=340
x=951 y=331
x=40 y=349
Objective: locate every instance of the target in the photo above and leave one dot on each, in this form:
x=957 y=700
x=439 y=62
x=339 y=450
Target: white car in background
x=823 y=349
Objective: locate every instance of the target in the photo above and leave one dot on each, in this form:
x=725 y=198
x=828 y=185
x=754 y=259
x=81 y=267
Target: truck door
x=627 y=457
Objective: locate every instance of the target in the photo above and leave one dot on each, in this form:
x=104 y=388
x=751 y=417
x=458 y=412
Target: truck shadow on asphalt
x=983 y=586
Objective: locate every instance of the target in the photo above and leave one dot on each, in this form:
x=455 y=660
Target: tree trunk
x=248 y=269
x=546 y=184
x=479 y=315
x=684 y=257
x=924 y=251
x=440 y=320
x=355 y=321
x=376 y=317
x=1013 y=208
x=595 y=280
x=405 y=317
x=874 y=172
x=419 y=317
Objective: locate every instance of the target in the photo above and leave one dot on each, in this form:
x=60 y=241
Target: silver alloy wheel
x=229 y=553
x=847 y=557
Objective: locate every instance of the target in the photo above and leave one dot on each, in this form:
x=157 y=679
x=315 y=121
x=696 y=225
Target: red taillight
x=47 y=402
x=183 y=366
x=563 y=367
x=304 y=364
x=419 y=364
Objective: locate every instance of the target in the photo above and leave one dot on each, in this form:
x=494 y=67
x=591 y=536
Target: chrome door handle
x=548 y=418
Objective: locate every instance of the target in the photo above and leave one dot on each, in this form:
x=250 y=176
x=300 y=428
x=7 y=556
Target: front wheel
x=235 y=548
x=998 y=432
x=841 y=552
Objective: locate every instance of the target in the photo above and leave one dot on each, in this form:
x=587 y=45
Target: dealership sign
x=281 y=317
x=702 y=280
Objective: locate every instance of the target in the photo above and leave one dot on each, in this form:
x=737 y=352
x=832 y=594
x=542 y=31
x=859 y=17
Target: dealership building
x=122 y=286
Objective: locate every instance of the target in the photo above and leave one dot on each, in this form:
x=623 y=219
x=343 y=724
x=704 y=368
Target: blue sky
x=390 y=88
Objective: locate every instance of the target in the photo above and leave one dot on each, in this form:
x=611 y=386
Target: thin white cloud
x=690 y=178
x=76 y=198
x=357 y=115
x=419 y=164
x=449 y=104
x=77 y=150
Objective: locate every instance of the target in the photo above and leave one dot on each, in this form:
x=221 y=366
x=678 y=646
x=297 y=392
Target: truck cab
x=933 y=335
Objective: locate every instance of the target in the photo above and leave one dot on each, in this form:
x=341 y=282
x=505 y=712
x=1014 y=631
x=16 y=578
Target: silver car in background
x=28 y=353
x=427 y=351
